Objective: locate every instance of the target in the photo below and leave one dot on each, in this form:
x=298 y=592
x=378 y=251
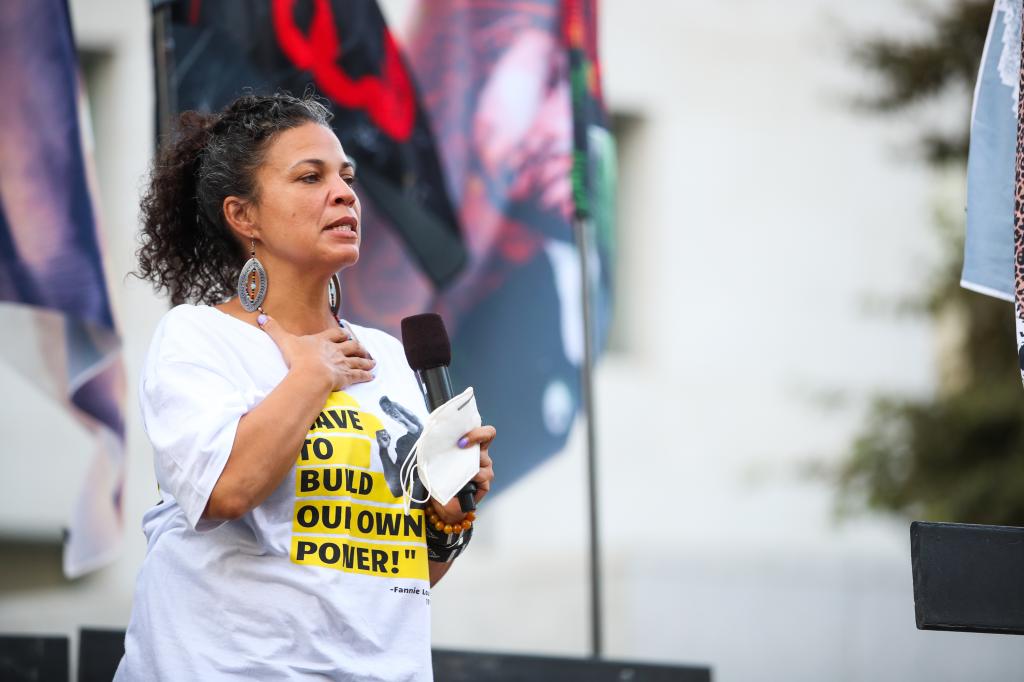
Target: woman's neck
x=299 y=302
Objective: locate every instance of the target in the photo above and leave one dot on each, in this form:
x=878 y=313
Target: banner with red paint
x=464 y=143
x=344 y=50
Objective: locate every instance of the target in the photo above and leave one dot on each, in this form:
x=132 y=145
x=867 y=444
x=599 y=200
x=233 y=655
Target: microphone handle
x=437 y=389
x=437 y=386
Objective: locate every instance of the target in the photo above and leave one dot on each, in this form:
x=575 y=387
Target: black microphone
x=429 y=353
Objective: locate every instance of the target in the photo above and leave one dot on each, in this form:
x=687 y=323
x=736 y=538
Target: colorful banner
x=988 y=251
x=1018 y=203
x=343 y=50
x=477 y=226
x=496 y=83
x=51 y=268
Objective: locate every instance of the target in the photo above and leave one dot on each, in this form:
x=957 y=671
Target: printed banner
x=988 y=249
x=51 y=262
x=1018 y=206
x=344 y=50
x=496 y=83
x=477 y=227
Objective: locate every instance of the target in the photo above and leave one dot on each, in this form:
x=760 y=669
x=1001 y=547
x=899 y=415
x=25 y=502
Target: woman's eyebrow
x=320 y=163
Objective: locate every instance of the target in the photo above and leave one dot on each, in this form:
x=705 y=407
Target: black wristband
x=445 y=547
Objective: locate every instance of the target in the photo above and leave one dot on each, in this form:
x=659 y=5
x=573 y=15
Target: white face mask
x=443 y=467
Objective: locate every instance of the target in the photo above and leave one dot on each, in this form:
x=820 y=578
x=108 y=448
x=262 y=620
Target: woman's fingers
x=360 y=363
x=335 y=334
x=481 y=435
x=273 y=329
x=484 y=477
x=348 y=376
x=483 y=480
x=352 y=364
x=353 y=348
x=482 y=488
x=452 y=512
x=334 y=349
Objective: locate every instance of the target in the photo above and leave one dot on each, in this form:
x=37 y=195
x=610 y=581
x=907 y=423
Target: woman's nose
x=343 y=193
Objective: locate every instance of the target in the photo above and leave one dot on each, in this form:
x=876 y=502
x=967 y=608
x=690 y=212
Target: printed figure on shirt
x=413 y=427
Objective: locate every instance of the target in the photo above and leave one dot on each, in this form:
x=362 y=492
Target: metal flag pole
x=581 y=227
x=163 y=67
x=582 y=230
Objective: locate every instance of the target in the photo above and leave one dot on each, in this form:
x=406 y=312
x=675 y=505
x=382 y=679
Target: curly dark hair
x=186 y=246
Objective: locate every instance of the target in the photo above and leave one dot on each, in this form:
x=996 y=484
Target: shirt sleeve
x=191 y=415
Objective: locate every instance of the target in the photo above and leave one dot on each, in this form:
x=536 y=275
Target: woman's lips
x=343 y=225
x=342 y=233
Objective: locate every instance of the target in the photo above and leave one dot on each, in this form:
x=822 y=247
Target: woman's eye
x=312 y=177
x=350 y=179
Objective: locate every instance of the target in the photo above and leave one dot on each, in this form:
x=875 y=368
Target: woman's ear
x=238 y=214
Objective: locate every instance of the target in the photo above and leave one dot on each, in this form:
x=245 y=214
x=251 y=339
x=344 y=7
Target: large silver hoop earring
x=252 y=283
x=334 y=294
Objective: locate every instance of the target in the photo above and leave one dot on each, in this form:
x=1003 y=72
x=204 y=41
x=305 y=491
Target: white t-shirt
x=327 y=578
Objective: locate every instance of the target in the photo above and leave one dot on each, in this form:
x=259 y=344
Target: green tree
x=957 y=455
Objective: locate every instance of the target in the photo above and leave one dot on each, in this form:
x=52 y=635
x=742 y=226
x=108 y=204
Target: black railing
x=45 y=659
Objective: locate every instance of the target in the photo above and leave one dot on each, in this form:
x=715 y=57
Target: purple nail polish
x=261 y=320
x=463 y=442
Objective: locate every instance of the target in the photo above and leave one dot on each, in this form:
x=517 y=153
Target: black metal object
x=99 y=653
x=968 y=577
x=163 y=67
x=436 y=384
x=35 y=658
x=462 y=666
x=429 y=353
x=582 y=227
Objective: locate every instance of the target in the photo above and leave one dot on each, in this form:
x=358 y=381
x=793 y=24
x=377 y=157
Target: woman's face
x=307 y=213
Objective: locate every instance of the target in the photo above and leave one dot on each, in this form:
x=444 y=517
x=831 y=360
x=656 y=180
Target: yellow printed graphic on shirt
x=341 y=414
x=343 y=481
x=329 y=517
x=341 y=434
x=348 y=511
x=334 y=450
x=367 y=558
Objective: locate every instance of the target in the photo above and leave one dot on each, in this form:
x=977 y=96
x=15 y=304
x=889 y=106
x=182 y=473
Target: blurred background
x=791 y=371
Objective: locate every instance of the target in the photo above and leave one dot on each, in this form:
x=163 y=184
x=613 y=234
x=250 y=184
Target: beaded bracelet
x=447 y=541
x=449 y=528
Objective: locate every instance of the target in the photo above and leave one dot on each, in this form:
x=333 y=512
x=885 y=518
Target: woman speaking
x=278 y=549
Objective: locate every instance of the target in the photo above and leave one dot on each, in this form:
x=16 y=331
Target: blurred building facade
x=758 y=211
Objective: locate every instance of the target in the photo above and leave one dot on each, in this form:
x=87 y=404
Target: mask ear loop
x=407 y=476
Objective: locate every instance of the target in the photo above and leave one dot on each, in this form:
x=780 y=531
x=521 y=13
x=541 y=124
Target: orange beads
x=449 y=528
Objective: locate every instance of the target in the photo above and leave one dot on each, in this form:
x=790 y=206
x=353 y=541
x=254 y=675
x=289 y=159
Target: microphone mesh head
x=426 y=341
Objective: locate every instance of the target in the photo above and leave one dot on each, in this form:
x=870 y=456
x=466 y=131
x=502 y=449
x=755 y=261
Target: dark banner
x=344 y=50
x=466 y=173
